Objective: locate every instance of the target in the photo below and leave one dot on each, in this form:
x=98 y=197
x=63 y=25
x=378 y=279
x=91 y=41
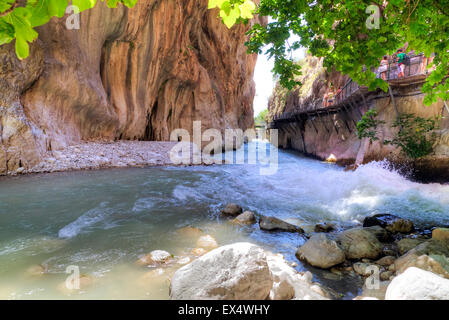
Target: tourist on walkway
x=383 y=68
x=401 y=56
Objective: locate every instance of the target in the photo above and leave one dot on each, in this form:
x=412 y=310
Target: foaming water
x=102 y=221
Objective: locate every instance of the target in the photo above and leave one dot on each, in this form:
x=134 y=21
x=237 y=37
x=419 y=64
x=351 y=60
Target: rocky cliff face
x=125 y=74
x=320 y=139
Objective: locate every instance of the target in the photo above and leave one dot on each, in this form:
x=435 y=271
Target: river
x=101 y=221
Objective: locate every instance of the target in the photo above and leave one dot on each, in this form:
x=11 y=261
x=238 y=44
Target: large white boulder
x=417 y=284
x=233 y=272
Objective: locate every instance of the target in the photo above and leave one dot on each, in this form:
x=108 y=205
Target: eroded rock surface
x=125 y=74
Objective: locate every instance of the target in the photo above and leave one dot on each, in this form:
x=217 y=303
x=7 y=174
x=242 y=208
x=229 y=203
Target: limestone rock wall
x=125 y=74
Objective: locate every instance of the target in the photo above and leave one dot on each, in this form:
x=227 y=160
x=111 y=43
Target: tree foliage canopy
x=337 y=30
x=345 y=33
x=19 y=18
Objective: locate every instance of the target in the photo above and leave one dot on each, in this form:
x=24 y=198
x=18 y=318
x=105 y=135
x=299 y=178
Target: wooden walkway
x=353 y=97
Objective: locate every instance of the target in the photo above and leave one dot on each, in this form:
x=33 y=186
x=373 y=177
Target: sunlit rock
x=36 y=270
x=320 y=251
x=190 y=231
x=155 y=257
x=417 y=284
x=358 y=243
x=246 y=217
x=207 y=242
x=234 y=272
x=331 y=158
x=432 y=255
x=440 y=234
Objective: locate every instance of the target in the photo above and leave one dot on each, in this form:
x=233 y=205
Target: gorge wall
x=132 y=74
x=321 y=140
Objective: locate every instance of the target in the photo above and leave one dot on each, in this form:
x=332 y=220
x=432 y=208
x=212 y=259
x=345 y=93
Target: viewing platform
x=352 y=96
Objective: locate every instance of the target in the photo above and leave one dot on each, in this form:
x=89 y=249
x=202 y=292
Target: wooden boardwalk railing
x=352 y=94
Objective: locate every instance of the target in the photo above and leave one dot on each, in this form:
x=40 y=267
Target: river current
x=101 y=221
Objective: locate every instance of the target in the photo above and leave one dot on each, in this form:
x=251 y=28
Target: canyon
x=125 y=74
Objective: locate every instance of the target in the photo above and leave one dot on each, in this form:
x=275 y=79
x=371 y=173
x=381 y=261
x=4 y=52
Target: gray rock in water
x=359 y=243
x=275 y=224
x=417 y=284
x=324 y=227
x=234 y=272
x=321 y=252
x=390 y=222
x=246 y=217
x=232 y=210
x=381 y=234
x=407 y=244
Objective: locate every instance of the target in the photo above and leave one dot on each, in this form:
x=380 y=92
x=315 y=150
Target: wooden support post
x=348 y=113
x=302 y=139
x=323 y=123
x=333 y=122
x=390 y=91
x=355 y=107
x=313 y=124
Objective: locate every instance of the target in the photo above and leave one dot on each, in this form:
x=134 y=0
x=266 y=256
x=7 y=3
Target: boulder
x=407 y=244
x=36 y=270
x=359 y=243
x=324 y=227
x=386 y=261
x=207 y=242
x=246 y=217
x=290 y=284
x=190 y=231
x=390 y=222
x=156 y=257
x=275 y=224
x=440 y=234
x=417 y=284
x=232 y=210
x=386 y=275
x=364 y=269
x=432 y=255
x=320 y=251
x=380 y=233
x=234 y=272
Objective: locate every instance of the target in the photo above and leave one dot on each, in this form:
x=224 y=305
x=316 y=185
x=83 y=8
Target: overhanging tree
x=349 y=35
x=335 y=30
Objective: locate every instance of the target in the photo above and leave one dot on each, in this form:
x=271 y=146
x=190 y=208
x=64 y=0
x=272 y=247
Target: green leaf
x=5 y=5
x=84 y=4
x=23 y=31
x=129 y=3
x=6 y=32
x=247 y=9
